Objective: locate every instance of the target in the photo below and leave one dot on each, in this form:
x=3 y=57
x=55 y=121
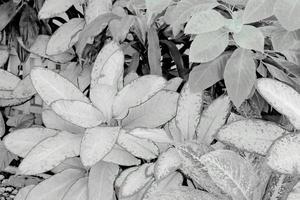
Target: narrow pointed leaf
x=154 y=52
x=120 y=156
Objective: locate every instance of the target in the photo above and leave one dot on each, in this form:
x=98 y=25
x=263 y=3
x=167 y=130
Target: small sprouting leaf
x=96 y=143
x=286 y=103
x=155 y=112
x=212 y=119
x=156 y=135
x=284 y=154
x=101 y=181
x=250 y=135
x=56 y=186
x=78 y=191
x=208 y=46
x=21 y=141
x=120 y=156
x=96 y=8
x=8 y=81
x=23 y=192
x=78 y=112
x=50 y=152
x=205 y=21
x=232 y=174
x=136 y=93
x=51 y=86
x=240 y=76
x=154 y=52
x=257 y=10
x=188 y=111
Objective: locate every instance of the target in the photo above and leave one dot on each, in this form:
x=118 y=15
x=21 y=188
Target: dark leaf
x=7 y=12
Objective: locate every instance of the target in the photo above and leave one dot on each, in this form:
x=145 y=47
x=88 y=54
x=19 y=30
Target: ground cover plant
x=150 y=99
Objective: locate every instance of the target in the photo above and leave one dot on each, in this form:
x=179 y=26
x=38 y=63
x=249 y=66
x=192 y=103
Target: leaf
x=4 y=55
x=282 y=39
x=2 y=125
x=51 y=8
x=78 y=112
x=240 y=76
x=283 y=156
x=78 y=191
x=154 y=52
x=8 y=81
x=51 y=86
x=120 y=156
x=279 y=74
x=232 y=174
x=69 y=163
x=188 y=111
x=173 y=84
x=281 y=8
x=23 y=192
x=212 y=119
x=53 y=121
x=56 y=186
x=250 y=135
x=139 y=147
x=24 y=88
x=21 y=141
x=156 y=111
x=7 y=12
x=205 y=21
x=295 y=193
x=96 y=8
x=65 y=36
x=96 y=143
x=155 y=7
x=5 y=157
x=136 y=93
x=101 y=181
x=50 y=152
x=208 y=46
x=257 y=10
x=167 y=163
x=155 y=135
x=250 y=37
x=120 y=28
x=286 y=103
x=122 y=176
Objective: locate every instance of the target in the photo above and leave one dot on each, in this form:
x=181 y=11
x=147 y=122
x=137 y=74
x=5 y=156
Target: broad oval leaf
x=232 y=174
x=21 y=141
x=122 y=176
x=284 y=154
x=205 y=21
x=78 y=191
x=156 y=135
x=257 y=10
x=281 y=8
x=8 y=81
x=96 y=143
x=96 y=8
x=120 y=156
x=50 y=152
x=136 y=93
x=208 y=46
x=250 y=135
x=78 y=112
x=56 y=186
x=286 y=103
x=155 y=112
x=51 y=86
x=23 y=192
x=173 y=84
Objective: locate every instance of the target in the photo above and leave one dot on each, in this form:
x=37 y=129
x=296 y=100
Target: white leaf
x=56 y=186
x=96 y=8
x=120 y=156
x=295 y=193
x=122 y=176
x=52 y=8
x=65 y=36
x=212 y=119
x=203 y=22
x=208 y=46
x=283 y=156
x=23 y=192
x=50 y=152
x=24 y=89
x=8 y=81
x=174 y=131
x=232 y=174
x=250 y=135
x=136 y=93
x=78 y=112
x=156 y=6
x=287 y=13
x=168 y=162
x=139 y=147
x=156 y=135
x=21 y=141
x=282 y=39
x=4 y=55
x=250 y=37
x=131 y=76
x=257 y=10
x=69 y=163
x=51 y=86
x=188 y=111
x=78 y=191
x=96 y=143
x=155 y=112
x=101 y=181
x=2 y=125
x=286 y=103
x=53 y=121
x=173 y=84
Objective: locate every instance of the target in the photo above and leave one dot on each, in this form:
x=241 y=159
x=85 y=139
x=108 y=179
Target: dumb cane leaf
x=286 y=103
x=173 y=84
x=2 y=125
x=78 y=191
x=24 y=89
x=8 y=81
x=21 y=141
x=155 y=135
x=250 y=135
x=154 y=52
x=240 y=76
x=78 y=112
x=257 y=10
x=188 y=111
x=295 y=193
x=232 y=174
x=96 y=143
x=96 y=8
x=120 y=156
x=56 y=186
x=101 y=181
x=23 y=192
x=51 y=86
x=50 y=152
x=122 y=176
x=155 y=112
x=156 y=6
x=212 y=119
x=69 y=163
x=4 y=55
x=136 y=93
